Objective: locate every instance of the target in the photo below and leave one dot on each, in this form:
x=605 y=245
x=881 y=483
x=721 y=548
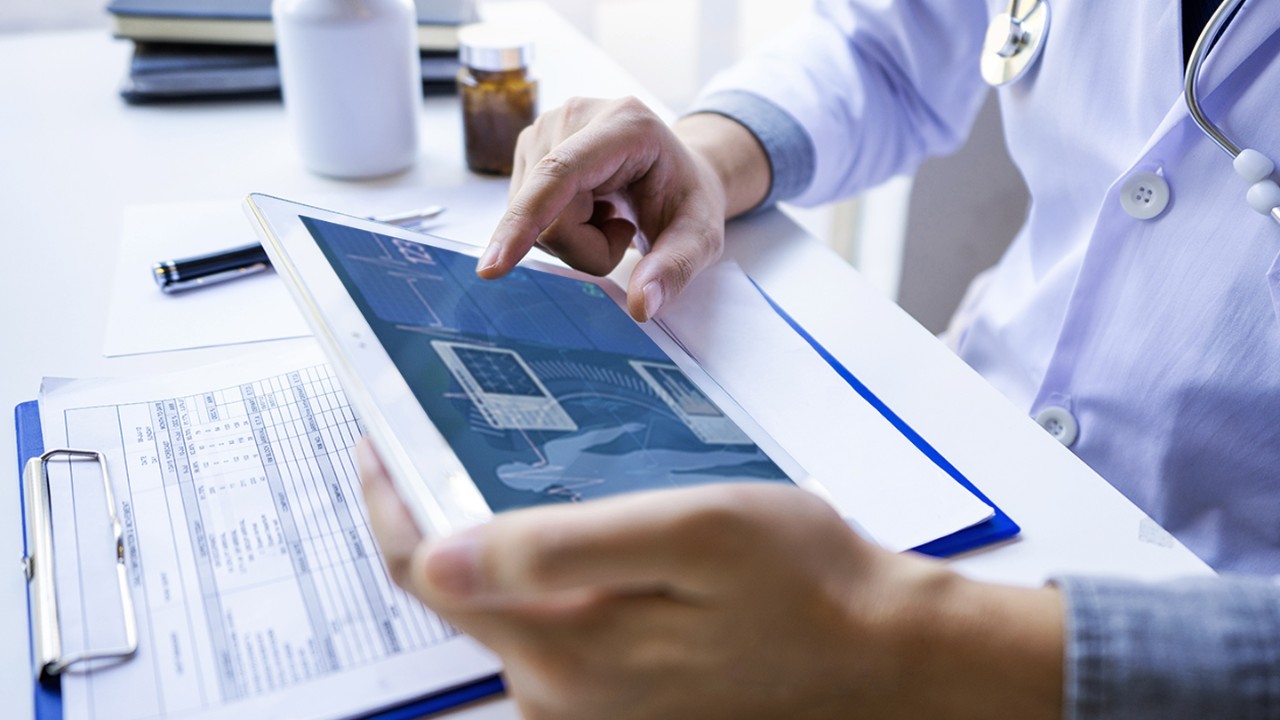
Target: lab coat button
x=1144 y=195
x=1060 y=423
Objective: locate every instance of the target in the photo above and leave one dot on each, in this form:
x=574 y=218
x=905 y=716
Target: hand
x=726 y=601
x=590 y=175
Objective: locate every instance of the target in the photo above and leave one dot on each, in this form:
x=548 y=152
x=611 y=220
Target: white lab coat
x=1160 y=337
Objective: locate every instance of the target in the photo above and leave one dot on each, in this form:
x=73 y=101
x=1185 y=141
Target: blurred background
x=919 y=239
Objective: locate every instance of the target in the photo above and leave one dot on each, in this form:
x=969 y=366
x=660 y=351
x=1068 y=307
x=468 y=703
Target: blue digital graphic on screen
x=497 y=373
x=544 y=388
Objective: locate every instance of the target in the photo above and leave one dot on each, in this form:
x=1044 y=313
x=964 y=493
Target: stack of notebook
x=208 y=49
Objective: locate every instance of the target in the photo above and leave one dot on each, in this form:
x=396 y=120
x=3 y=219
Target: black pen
x=194 y=272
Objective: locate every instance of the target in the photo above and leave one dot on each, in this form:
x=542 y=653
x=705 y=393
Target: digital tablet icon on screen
x=689 y=403
x=504 y=389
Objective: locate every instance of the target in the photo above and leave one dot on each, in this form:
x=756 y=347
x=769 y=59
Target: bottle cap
x=493 y=47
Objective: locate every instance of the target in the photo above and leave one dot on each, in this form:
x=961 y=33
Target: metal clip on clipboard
x=38 y=566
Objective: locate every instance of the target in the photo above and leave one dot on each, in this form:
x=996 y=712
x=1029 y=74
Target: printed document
x=258 y=587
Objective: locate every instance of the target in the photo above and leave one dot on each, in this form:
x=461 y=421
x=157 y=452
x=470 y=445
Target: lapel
x=1256 y=21
x=1253 y=25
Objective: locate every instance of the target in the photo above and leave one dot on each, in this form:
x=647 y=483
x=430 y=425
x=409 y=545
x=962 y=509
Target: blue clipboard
x=48 y=695
x=996 y=528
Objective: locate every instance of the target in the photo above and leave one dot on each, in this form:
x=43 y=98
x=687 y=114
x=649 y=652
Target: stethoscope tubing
x=1217 y=24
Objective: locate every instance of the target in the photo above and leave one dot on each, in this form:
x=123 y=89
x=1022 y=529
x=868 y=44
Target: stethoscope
x=1015 y=40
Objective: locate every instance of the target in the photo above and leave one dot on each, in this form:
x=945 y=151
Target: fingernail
x=488 y=259
x=652 y=298
x=454 y=565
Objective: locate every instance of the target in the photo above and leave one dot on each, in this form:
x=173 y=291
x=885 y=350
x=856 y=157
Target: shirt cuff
x=792 y=158
x=1189 y=649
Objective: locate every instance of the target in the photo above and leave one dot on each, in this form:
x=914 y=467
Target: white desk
x=74 y=155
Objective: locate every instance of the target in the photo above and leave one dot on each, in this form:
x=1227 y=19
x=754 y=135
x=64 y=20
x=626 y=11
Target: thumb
x=684 y=249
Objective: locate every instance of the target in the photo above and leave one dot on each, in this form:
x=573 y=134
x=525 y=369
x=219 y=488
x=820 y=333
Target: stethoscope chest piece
x=1014 y=42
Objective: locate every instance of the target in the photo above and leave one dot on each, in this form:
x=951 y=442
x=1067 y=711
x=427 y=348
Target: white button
x=1061 y=424
x=1144 y=195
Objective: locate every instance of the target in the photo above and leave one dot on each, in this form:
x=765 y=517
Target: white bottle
x=352 y=83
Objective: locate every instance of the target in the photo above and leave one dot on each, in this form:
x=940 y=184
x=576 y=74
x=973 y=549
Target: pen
x=174 y=276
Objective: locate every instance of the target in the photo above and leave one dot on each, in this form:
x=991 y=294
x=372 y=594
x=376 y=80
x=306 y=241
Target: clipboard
x=47 y=659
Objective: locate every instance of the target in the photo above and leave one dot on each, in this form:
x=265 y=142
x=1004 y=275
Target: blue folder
x=48 y=696
x=996 y=528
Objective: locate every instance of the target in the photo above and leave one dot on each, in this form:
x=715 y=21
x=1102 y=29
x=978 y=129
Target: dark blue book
x=168 y=72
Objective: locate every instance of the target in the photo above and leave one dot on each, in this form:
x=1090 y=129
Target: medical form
x=257 y=583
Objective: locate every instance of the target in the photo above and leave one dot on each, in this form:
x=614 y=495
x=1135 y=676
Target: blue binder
x=48 y=695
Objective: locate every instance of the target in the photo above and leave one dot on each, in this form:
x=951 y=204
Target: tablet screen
x=543 y=387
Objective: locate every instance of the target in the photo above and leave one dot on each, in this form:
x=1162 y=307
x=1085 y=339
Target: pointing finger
x=587 y=160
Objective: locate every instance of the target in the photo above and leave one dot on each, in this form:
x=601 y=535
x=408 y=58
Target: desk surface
x=75 y=156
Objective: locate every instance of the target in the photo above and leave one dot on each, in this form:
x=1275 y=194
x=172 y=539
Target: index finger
x=591 y=159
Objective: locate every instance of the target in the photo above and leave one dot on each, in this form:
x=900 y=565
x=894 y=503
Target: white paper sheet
x=258 y=586
x=878 y=478
x=141 y=319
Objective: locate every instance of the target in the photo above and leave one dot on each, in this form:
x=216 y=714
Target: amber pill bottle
x=499 y=96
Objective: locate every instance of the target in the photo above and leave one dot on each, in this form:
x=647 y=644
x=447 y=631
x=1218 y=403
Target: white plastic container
x=352 y=83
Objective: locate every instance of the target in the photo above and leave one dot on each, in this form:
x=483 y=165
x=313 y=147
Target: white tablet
x=488 y=395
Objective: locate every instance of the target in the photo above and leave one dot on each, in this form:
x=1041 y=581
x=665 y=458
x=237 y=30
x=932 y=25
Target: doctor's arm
x=857 y=93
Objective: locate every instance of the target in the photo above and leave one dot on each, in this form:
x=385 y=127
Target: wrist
x=732 y=154
x=981 y=650
x=1001 y=649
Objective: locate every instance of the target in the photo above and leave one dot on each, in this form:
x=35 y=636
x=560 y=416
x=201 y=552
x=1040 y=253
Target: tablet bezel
x=428 y=475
